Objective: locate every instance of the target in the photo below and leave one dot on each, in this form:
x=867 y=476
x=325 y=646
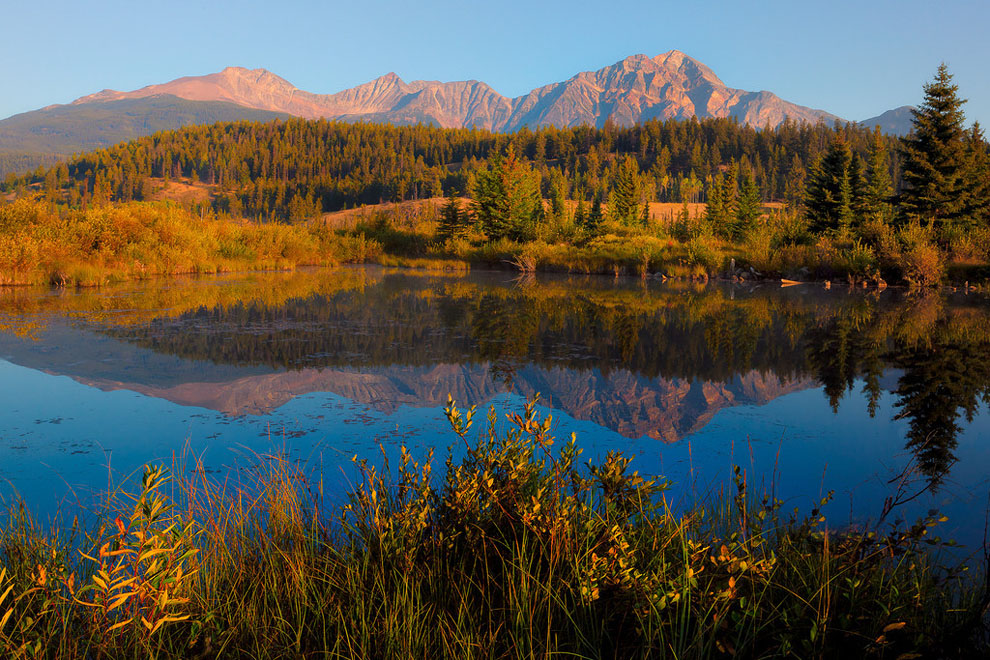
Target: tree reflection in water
x=936 y=347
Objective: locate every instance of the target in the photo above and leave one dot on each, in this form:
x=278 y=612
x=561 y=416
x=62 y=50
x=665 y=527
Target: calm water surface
x=808 y=390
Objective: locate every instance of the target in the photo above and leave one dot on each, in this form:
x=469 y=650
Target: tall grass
x=518 y=549
x=136 y=240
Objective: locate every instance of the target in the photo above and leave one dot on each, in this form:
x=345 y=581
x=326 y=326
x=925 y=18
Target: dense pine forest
x=292 y=169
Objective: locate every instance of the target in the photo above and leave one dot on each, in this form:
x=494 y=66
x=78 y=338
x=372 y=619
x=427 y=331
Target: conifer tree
x=830 y=196
x=625 y=206
x=878 y=190
x=557 y=195
x=507 y=201
x=714 y=213
x=453 y=221
x=581 y=214
x=977 y=183
x=934 y=157
x=595 y=216
x=748 y=210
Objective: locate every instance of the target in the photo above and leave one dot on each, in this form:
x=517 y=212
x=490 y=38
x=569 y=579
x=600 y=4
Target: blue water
x=85 y=408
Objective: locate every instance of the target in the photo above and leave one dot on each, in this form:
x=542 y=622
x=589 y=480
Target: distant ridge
x=40 y=137
x=670 y=85
x=898 y=121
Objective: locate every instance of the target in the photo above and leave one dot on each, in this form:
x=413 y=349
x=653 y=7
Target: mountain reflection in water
x=643 y=359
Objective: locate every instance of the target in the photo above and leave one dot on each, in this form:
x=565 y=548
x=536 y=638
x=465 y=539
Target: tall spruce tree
x=558 y=194
x=453 y=221
x=934 y=158
x=977 y=183
x=625 y=198
x=595 y=216
x=748 y=209
x=714 y=207
x=832 y=196
x=581 y=214
x=879 y=191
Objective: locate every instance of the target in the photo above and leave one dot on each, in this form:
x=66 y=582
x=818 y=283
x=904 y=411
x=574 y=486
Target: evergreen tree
x=595 y=216
x=714 y=209
x=723 y=219
x=581 y=214
x=749 y=209
x=794 y=182
x=977 y=183
x=878 y=190
x=934 y=157
x=844 y=208
x=858 y=184
x=625 y=200
x=453 y=221
x=830 y=197
x=507 y=201
x=557 y=195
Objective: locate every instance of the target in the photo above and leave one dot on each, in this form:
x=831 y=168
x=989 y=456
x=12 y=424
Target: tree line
x=286 y=170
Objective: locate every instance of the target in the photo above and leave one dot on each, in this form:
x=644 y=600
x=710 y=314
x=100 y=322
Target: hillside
x=41 y=137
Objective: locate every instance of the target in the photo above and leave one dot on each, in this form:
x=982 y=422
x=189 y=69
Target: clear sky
x=854 y=59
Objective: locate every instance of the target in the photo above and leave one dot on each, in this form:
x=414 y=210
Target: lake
x=864 y=393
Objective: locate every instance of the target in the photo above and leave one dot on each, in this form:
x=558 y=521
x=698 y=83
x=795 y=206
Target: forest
x=293 y=169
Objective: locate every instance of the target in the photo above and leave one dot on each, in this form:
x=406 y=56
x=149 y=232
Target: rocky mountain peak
x=637 y=88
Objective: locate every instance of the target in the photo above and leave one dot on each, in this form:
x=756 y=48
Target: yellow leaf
x=120 y=599
x=119 y=625
x=170 y=619
x=894 y=626
x=148 y=554
x=125 y=583
x=5 y=618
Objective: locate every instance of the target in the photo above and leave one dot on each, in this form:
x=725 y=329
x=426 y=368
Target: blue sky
x=855 y=59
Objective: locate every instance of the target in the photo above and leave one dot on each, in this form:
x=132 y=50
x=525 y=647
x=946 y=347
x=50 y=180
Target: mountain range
x=671 y=85
x=635 y=89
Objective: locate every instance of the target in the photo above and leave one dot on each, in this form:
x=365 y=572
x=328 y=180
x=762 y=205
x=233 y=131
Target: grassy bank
x=682 y=245
x=515 y=551
x=115 y=242
x=42 y=244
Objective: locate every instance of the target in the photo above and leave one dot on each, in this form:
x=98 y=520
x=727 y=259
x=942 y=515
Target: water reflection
x=938 y=347
x=641 y=359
